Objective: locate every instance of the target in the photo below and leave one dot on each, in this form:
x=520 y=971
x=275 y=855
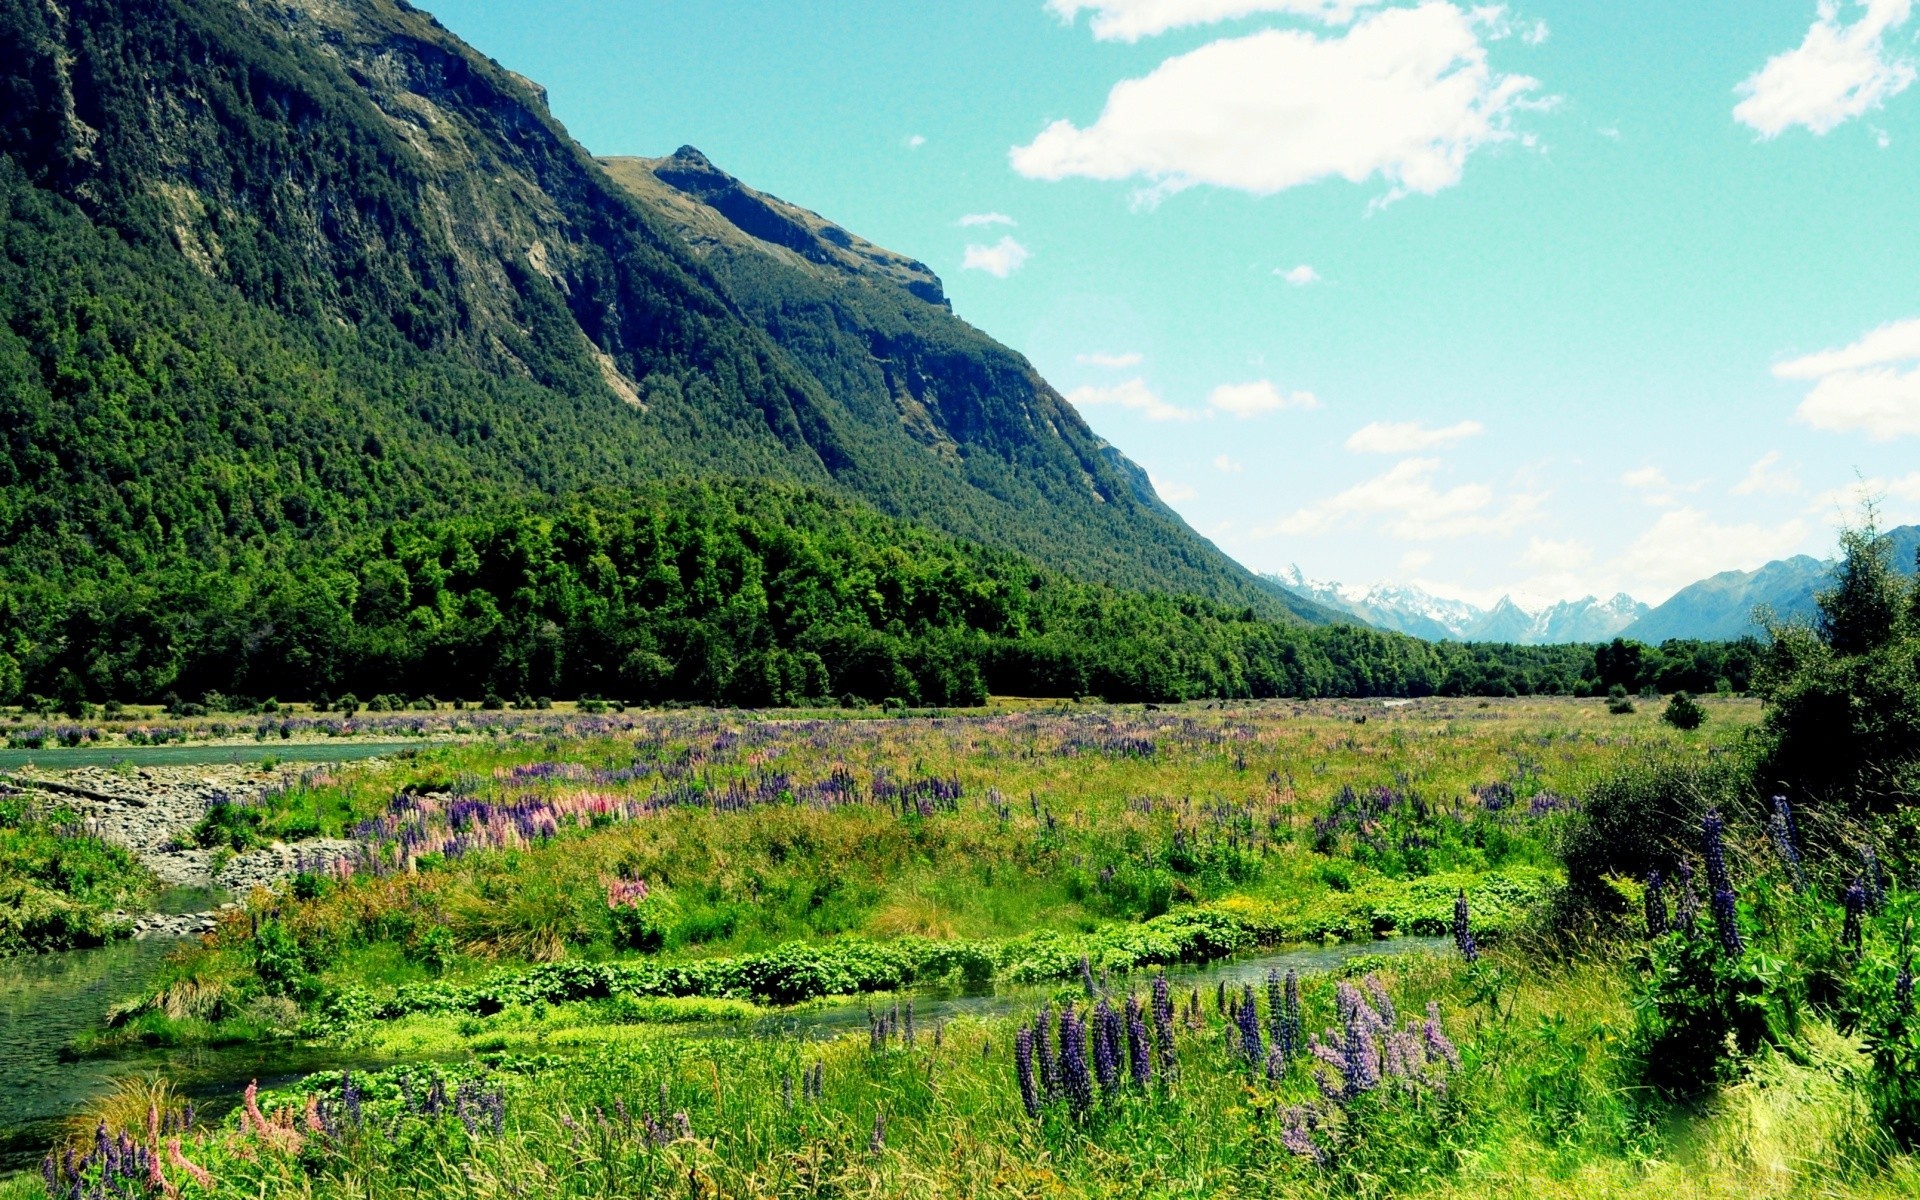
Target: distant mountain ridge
x=1404 y=608
x=1722 y=607
x=335 y=267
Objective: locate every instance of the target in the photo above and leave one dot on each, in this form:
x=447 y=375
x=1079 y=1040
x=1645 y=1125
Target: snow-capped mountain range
x=1523 y=619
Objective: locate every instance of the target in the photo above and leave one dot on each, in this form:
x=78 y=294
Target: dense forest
x=748 y=594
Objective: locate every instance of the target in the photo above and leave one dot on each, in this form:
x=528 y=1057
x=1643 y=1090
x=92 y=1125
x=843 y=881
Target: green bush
x=1890 y=1029
x=1684 y=712
x=234 y=826
x=1699 y=1008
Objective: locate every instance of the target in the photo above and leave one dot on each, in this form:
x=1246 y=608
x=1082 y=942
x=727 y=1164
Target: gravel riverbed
x=150 y=810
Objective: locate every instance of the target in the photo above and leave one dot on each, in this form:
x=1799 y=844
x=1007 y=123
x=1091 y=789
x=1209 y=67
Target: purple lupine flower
x=1163 y=1024
x=1023 y=1068
x=1463 y=929
x=1049 y=1063
x=1276 y=1011
x=1139 y=1049
x=1781 y=832
x=1294 y=1026
x=1296 y=1134
x=1687 y=911
x=1726 y=912
x=1656 y=905
x=1382 y=1003
x=1107 y=1036
x=1360 y=1057
x=1855 y=903
x=1438 y=1045
x=1247 y=1016
x=1874 y=878
x=1073 y=1061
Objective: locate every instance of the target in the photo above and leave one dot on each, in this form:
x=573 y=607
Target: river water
x=46 y=1000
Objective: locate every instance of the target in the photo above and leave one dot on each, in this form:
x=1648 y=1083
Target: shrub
x=228 y=824
x=1684 y=712
x=1642 y=817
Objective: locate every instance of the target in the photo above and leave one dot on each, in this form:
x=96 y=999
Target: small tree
x=1684 y=712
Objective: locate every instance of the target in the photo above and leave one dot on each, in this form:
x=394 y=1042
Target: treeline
x=719 y=593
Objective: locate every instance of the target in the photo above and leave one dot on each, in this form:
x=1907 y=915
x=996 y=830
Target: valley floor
x=1038 y=950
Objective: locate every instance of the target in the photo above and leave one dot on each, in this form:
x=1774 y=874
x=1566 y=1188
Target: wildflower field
x=1018 y=952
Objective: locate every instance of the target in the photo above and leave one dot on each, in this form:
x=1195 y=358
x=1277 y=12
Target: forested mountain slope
x=278 y=272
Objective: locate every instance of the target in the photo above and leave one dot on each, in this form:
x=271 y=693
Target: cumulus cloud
x=1844 y=503
x=1131 y=20
x=1837 y=73
x=1686 y=544
x=915 y=142
x=1768 y=478
x=1406 y=94
x=1863 y=386
x=1246 y=400
x=1654 y=486
x=990 y=218
x=999 y=260
x=1549 y=555
x=1131 y=358
x=1408 y=437
x=1299 y=276
x=1133 y=395
x=1226 y=465
x=1413 y=507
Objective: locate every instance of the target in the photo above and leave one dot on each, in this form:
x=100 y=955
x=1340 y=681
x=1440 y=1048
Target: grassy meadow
x=606 y=954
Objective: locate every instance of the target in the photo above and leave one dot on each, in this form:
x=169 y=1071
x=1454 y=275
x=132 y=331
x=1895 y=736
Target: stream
x=46 y=1000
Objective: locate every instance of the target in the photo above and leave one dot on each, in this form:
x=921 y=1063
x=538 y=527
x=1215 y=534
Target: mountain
x=1722 y=607
x=273 y=273
x=1412 y=610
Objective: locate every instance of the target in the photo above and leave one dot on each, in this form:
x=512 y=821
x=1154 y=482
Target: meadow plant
x=1463 y=930
x=1658 y=920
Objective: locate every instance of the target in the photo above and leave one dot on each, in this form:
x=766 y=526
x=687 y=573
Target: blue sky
x=1557 y=298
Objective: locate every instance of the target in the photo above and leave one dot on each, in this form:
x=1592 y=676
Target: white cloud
x=1226 y=465
x=1299 y=276
x=1768 y=478
x=1131 y=358
x=1862 y=386
x=999 y=260
x=1654 y=486
x=1382 y=437
x=1415 y=509
x=1134 y=395
x=1171 y=492
x=915 y=142
x=1686 y=544
x=1414 y=560
x=990 y=218
x=1405 y=94
x=1836 y=74
x=1131 y=20
x=1844 y=503
x=1550 y=555
x=1246 y=400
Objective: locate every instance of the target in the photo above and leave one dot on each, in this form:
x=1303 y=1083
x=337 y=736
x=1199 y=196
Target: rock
x=149 y=810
